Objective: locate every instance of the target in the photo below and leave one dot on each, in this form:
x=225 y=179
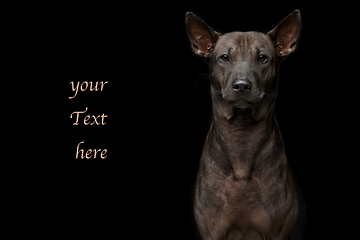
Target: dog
x=244 y=188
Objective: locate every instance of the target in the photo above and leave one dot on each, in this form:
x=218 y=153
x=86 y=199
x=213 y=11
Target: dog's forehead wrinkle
x=244 y=41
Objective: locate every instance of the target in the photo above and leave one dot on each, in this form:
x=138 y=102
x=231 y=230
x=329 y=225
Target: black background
x=159 y=110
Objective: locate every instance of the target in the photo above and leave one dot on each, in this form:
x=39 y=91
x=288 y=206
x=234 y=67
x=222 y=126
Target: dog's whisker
x=217 y=91
x=272 y=94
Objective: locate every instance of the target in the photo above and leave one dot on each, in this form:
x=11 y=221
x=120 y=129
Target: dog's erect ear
x=286 y=33
x=202 y=37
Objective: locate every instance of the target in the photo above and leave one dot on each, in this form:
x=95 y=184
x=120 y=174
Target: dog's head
x=243 y=64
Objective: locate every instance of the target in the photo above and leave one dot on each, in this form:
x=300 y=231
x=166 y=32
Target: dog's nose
x=241 y=85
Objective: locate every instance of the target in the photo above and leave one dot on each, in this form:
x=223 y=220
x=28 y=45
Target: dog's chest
x=245 y=204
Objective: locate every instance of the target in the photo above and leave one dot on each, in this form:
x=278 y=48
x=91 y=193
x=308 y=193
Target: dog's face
x=243 y=64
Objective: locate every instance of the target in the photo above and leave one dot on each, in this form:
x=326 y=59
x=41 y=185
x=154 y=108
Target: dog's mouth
x=243 y=103
x=246 y=102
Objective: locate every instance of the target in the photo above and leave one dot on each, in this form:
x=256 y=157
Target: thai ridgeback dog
x=244 y=187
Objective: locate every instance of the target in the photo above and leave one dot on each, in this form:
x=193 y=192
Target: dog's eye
x=224 y=58
x=262 y=58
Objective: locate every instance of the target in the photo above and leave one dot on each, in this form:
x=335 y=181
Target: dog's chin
x=242 y=103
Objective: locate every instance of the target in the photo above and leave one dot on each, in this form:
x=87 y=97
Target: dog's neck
x=249 y=137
